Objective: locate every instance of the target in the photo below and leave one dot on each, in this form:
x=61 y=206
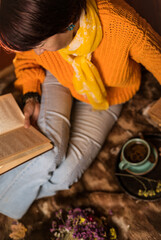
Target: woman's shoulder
x=26 y=54
x=119 y=11
x=116 y=9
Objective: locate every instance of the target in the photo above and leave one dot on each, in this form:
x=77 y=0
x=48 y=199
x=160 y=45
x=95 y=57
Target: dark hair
x=26 y=23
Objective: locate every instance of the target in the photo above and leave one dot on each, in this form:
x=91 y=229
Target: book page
x=20 y=141
x=20 y=158
x=11 y=116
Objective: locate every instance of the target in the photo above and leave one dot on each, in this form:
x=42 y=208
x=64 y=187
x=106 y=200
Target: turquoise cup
x=135 y=154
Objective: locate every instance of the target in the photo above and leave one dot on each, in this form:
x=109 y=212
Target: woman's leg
x=54 y=118
x=20 y=186
x=89 y=130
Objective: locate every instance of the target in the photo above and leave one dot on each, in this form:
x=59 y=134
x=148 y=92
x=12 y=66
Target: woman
x=88 y=52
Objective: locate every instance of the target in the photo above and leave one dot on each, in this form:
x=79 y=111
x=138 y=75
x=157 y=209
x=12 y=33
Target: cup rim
x=136 y=140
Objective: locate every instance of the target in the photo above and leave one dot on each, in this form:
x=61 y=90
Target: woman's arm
x=29 y=75
x=147 y=50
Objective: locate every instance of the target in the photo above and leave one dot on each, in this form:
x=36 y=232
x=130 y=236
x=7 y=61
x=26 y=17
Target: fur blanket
x=98 y=188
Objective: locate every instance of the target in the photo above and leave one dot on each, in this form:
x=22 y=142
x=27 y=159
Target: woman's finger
x=27 y=119
x=28 y=112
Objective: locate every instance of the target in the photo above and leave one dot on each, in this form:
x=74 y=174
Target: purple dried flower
x=80 y=223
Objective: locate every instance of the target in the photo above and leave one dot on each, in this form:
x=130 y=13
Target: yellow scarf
x=86 y=79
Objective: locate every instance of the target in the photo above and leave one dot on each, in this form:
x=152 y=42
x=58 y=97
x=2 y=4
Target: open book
x=17 y=144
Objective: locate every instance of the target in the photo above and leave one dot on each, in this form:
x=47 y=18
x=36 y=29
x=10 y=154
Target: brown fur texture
x=98 y=188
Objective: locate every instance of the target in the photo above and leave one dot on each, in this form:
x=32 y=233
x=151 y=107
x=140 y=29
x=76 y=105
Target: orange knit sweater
x=127 y=41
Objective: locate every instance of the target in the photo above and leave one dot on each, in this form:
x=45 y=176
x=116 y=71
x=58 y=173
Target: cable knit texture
x=127 y=41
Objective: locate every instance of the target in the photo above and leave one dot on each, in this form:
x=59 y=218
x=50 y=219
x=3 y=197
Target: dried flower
x=18 y=231
x=79 y=224
x=150 y=187
x=113 y=235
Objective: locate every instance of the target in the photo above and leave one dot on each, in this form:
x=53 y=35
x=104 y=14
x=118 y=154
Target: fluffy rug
x=133 y=219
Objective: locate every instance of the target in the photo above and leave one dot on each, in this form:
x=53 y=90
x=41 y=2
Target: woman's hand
x=31 y=112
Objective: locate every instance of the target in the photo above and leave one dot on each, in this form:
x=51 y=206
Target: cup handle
x=123 y=165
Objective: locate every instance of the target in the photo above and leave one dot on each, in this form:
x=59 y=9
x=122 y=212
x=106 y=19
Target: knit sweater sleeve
x=29 y=73
x=147 y=50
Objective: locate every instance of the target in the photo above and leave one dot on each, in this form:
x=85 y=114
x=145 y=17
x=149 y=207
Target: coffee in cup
x=135 y=152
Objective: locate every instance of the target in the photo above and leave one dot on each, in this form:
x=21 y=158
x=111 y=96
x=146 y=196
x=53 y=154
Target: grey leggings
x=77 y=132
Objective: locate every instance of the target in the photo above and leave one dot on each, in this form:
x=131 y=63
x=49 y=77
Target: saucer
x=149 y=165
x=131 y=183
